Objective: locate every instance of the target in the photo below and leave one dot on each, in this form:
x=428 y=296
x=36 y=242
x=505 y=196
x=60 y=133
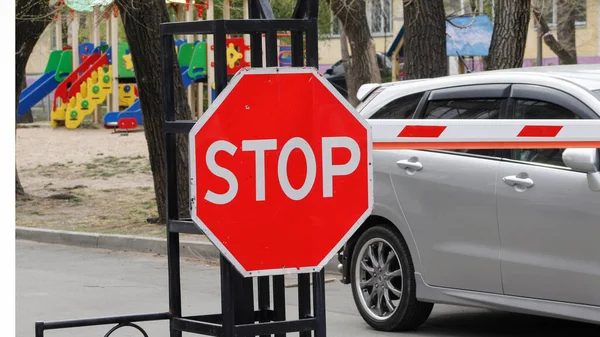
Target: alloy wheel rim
x=379 y=279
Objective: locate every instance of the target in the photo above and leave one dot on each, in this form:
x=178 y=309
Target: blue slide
x=111 y=119
x=34 y=93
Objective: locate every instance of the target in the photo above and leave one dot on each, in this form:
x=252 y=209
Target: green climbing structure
x=198 y=63
x=65 y=65
x=186 y=51
x=53 y=60
x=125 y=63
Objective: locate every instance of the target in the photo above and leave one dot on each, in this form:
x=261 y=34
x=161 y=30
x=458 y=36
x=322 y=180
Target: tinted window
x=466 y=109
x=401 y=108
x=532 y=109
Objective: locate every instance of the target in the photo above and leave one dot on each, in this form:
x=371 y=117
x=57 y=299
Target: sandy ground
x=85 y=180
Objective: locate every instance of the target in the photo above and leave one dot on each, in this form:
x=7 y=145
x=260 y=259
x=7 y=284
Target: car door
x=448 y=197
x=549 y=218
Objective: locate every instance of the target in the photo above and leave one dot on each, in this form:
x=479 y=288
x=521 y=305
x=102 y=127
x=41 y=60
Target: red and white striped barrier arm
x=484 y=134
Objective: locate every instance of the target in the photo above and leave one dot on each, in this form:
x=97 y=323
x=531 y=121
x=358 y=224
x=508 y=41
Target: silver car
x=515 y=230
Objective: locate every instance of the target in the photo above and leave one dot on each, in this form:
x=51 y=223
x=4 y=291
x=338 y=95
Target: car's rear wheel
x=383 y=282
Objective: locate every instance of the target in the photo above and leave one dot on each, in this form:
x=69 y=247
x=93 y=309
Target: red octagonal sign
x=280 y=171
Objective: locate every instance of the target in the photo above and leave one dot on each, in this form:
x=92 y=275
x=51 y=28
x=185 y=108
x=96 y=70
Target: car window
x=596 y=93
x=400 y=108
x=534 y=109
x=466 y=109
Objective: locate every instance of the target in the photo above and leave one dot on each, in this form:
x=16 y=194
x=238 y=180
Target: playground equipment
x=85 y=88
x=78 y=93
x=192 y=62
x=59 y=66
x=127 y=94
x=192 y=59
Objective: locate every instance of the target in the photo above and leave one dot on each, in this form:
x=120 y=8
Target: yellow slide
x=92 y=93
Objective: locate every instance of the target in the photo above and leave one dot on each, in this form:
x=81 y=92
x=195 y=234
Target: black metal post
x=244 y=299
x=256 y=49
x=172 y=211
x=297 y=49
x=264 y=299
x=227 y=297
x=271 y=49
x=312 y=34
x=39 y=329
x=304 y=299
x=319 y=303
x=279 y=300
x=220 y=40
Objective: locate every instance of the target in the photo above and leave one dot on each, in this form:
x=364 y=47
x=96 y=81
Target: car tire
x=391 y=303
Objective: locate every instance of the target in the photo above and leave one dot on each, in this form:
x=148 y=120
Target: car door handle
x=408 y=164
x=514 y=180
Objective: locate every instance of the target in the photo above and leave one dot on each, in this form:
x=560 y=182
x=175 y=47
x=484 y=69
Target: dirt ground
x=91 y=180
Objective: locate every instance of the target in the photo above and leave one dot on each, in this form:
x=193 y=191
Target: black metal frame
x=238 y=317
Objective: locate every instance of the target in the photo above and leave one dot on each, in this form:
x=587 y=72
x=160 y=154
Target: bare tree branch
x=449 y=20
x=364 y=69
x=564 y=55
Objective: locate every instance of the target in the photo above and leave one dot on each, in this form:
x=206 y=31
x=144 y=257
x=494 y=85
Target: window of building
x=550 y=12
x=379 y=18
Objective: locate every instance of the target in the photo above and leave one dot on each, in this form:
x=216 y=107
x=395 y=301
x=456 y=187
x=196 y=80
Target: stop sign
x=280 y=171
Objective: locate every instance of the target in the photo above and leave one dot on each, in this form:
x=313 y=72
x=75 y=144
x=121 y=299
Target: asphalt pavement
x=56 y=282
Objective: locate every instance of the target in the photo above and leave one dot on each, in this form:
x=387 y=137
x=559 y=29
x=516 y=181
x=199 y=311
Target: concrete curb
x=189 y=249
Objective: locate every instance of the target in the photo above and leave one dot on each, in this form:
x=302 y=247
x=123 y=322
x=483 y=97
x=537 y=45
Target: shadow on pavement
x=498 y=323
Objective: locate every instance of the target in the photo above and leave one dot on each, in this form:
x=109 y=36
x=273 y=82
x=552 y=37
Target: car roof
x=578 y=80
x=587 y=75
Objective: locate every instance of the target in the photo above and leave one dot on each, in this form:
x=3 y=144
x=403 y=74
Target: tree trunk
x=142 y=19
x=19 y=190
x=346 y=61
x=565 y=47
x=353 y=16
x=510 y=34
x=566 y=30
x=425 y=39
x=27 y=117
x=32 y=18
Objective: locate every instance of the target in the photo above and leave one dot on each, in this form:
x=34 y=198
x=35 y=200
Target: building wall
x=587 y=38
x=39 y=56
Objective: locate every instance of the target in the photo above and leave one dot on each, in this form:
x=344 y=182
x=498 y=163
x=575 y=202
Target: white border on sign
x=192 y=169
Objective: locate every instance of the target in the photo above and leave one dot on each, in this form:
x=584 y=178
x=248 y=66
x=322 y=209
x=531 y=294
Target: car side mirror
x=585 y=160
x=329 y=71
